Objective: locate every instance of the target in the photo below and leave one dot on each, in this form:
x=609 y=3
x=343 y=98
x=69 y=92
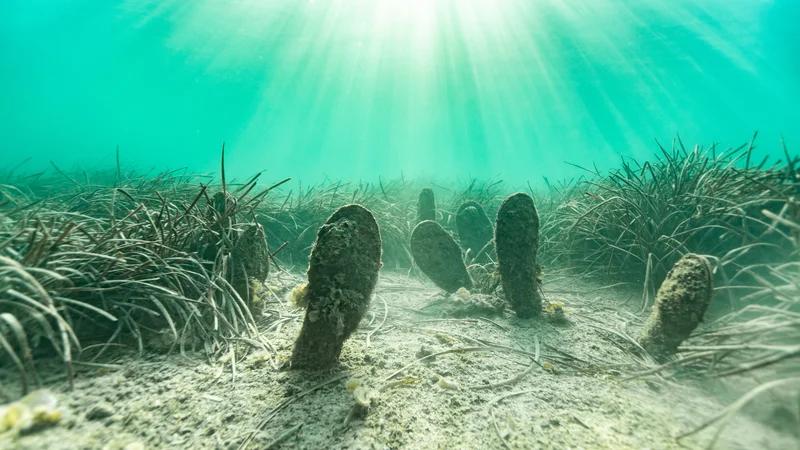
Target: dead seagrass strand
x=680 y=305
x=439 y=257
x=342 y=273
x=517 y=244
x=250 y=260
x=426 y=207
x=474 y=230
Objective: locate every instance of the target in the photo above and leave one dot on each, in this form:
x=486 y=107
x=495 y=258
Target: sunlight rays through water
x=358 y=88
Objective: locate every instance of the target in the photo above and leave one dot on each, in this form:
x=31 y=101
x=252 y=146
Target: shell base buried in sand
x=680 y=305
x=517 y=244
x=342 y=275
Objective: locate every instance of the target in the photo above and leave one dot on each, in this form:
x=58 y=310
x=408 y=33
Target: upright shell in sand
x=426 y=207
x=516 y=240
x=250 y=260
x=680 y=305
x=439 y=257
x=342 y=273
x=474 y=230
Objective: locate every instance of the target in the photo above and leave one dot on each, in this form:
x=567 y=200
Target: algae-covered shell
x=342 y=273
x=426 y=206
x=439 y=257
x=517 y=244
x=680 y=305
x=250 y=260
x=474 y=230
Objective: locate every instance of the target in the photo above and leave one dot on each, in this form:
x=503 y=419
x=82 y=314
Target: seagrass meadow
x=104 y=270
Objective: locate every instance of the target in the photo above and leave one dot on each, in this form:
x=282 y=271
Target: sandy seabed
x=488 y=392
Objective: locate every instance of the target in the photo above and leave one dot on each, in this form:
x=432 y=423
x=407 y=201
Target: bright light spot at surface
x=361 y=88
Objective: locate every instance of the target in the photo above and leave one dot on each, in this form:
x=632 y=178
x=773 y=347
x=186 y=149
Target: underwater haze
x=357 y=89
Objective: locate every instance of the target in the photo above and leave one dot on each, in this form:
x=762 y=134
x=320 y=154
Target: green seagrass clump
x=220 y=215
x=438 y=256
x=680 y=305
x=475 y=231
x=342 y=274
x=426 y=207
x=517 y=244
x=238 y=248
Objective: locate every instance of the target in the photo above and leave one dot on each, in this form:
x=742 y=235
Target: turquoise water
x=356 y=89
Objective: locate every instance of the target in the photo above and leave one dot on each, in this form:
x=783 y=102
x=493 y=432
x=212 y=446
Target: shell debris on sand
x=35 y=410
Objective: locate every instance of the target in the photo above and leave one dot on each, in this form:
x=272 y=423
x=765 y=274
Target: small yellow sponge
x=35 y=410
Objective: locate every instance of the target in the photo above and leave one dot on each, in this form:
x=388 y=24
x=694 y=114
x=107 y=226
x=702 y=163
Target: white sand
x=180 y=401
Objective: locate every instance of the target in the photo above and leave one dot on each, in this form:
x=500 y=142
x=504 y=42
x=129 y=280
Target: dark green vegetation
x=642 y=218
x=438 y=256
x=342 y=274
x=91 y=261
x=516 y=239
x=117 y=260
x=680 y=306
